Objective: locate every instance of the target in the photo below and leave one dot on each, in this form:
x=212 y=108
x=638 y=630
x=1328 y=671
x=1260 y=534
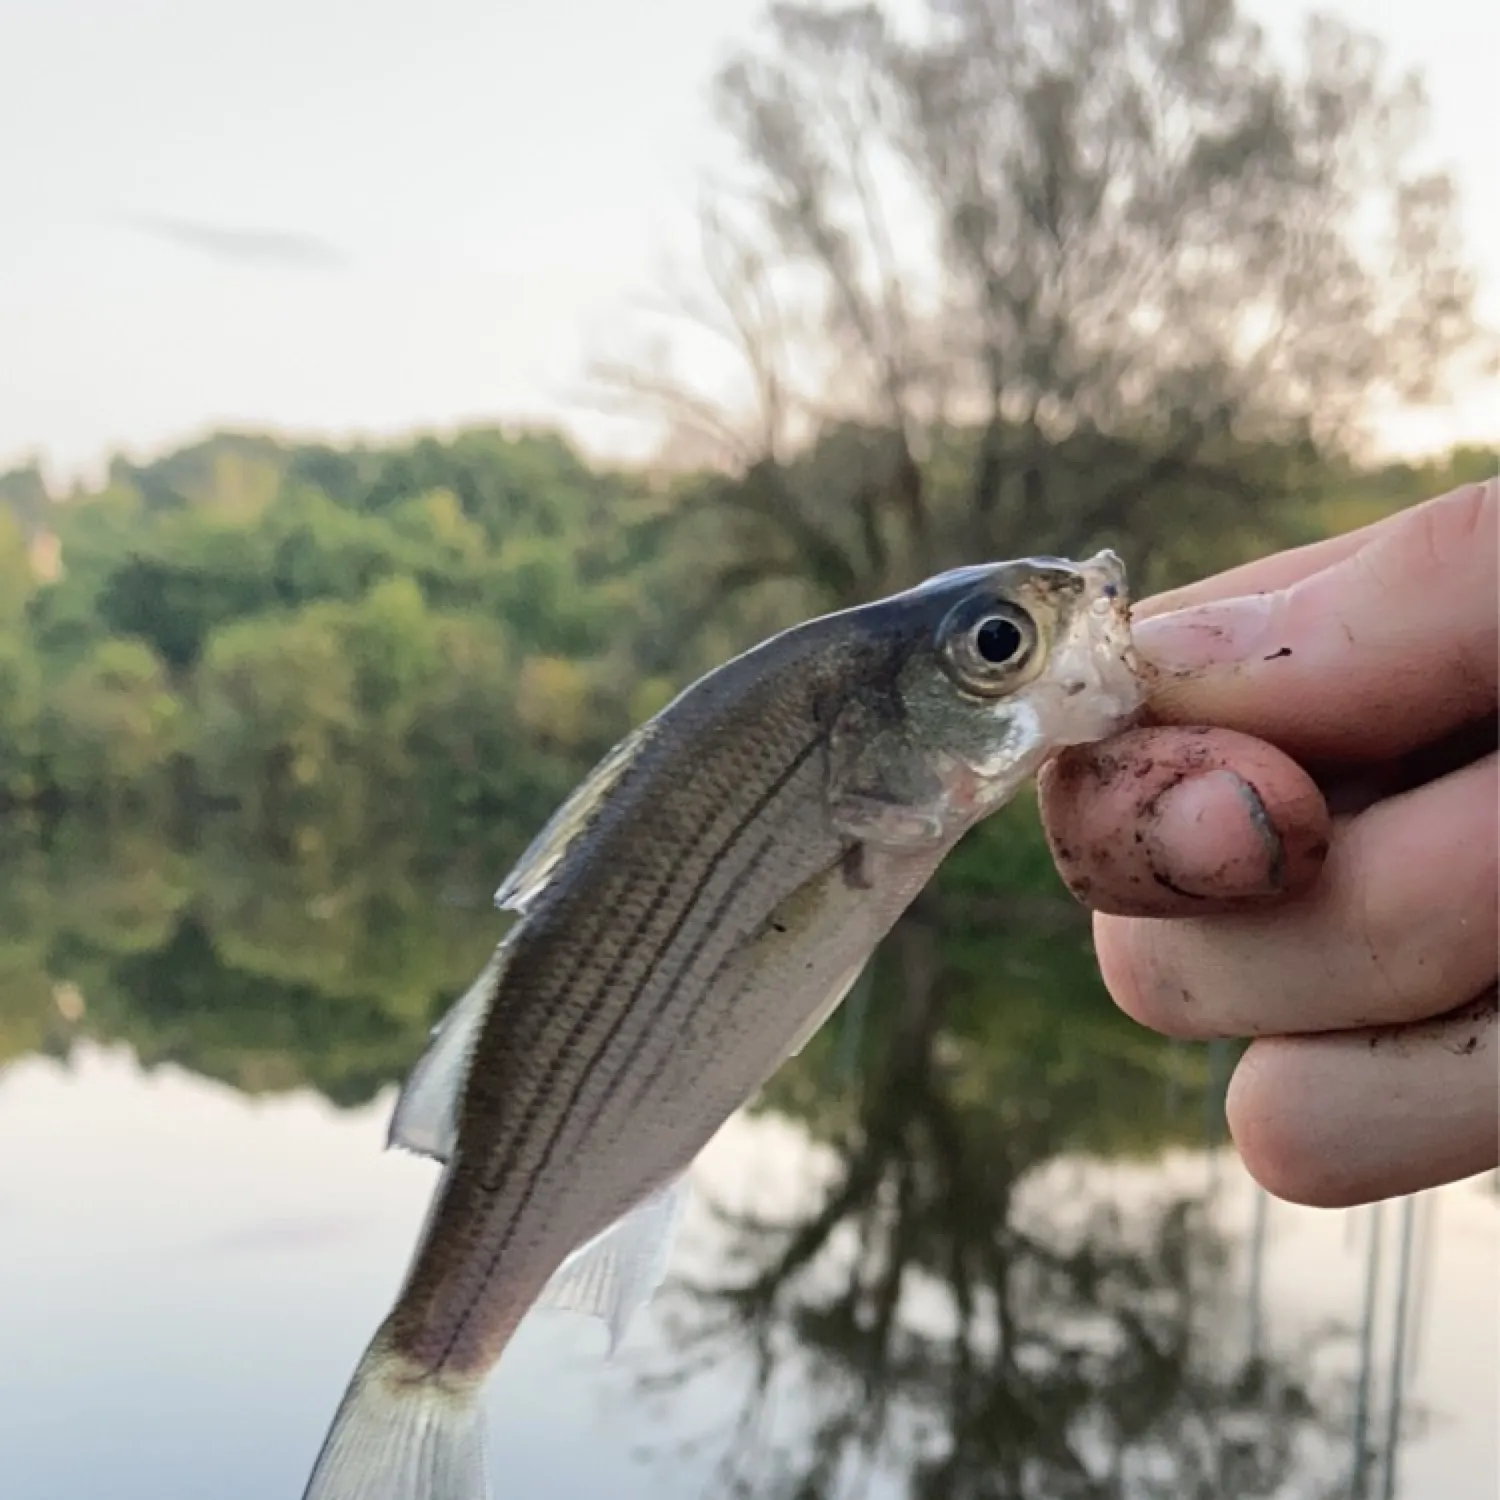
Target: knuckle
x=1374 y=912
x=1141 y=972
x=1406 y=914
x=1279 y=1143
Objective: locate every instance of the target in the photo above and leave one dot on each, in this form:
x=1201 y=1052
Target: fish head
x=995 y=667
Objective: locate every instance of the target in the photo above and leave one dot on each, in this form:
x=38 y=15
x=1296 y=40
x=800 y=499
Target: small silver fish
x=688 y=919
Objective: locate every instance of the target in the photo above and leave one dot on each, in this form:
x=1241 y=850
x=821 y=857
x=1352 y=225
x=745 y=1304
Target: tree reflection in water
x=931 y=1330
x=984 y=1302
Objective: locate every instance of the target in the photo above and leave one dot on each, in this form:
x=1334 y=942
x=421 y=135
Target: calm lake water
x=982 y=1239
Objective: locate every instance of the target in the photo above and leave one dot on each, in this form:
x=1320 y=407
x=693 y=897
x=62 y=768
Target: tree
x=20 y=710
x=1027 y=275
x=109 y=729
x=189 y=572
x=232 y=473
x=20 y=671
x=389 y=644
x=277 y=718
x=24 y=494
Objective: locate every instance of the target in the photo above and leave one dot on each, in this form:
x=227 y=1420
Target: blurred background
x=399 y=403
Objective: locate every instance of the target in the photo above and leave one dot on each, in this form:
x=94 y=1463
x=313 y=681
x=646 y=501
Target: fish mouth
x=1120 y=669
x=1104 y=573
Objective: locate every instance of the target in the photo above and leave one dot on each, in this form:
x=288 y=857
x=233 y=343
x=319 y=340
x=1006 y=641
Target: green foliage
x=439 y=631
x=267 y=972
x=199 y=574
x=321 y=638
x=20 y=670
x=1349 y=497
x=20 y=709
x=110 y=726
x=276 y=715
x=16 y=579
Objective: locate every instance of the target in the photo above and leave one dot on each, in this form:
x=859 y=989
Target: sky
x=362 y=218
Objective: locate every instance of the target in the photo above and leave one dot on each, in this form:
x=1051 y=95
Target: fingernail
x=1208 y=635
x=1210 y=836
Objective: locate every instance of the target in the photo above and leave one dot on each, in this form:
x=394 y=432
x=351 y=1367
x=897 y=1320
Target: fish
x=686 y=921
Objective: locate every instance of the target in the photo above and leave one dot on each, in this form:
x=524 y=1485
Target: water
x=982 y=1239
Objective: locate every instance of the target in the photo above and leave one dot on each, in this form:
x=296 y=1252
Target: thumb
x=1387 y=649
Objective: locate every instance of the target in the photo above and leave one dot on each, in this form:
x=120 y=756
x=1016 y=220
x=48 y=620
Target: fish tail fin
x=401 y=1433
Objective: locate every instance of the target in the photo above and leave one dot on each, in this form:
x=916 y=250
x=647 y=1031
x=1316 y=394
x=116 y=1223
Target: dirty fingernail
x=1210 y=836
x=1208 y=635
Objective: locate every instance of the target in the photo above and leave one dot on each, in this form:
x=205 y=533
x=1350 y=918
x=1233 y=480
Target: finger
x=1172 y=822
x=1401 y=926
x=1389 y=648
x=1363 y=1115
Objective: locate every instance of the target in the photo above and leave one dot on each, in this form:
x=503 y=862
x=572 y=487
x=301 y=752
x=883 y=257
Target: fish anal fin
x=615 y=1274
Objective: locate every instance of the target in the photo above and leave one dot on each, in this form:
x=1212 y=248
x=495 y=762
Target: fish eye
x=998 y=639
x=986 y=644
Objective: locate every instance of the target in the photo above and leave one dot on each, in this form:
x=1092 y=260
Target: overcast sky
x=368 y=215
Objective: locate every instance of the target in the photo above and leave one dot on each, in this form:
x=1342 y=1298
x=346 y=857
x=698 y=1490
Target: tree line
x=326 y=643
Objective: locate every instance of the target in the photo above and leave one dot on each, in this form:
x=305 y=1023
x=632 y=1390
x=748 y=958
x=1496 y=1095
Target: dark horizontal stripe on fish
x=664 y=1004
x=650 y=1081
x=583 y=950
x=597 y=1055
x=631 y=948
x=552 y=1074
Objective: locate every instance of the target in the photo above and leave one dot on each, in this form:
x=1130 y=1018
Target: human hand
x=1344 y=915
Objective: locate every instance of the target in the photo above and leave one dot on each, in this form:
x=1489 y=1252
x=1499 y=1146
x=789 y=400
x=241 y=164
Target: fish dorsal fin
x=425 y=1119
x=615 y=1274
x=535 y=868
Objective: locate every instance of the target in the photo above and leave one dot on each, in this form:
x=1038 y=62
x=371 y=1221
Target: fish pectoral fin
x=425 y=1119
x=615 y=1274
x=889 y=824
x=880 y=790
